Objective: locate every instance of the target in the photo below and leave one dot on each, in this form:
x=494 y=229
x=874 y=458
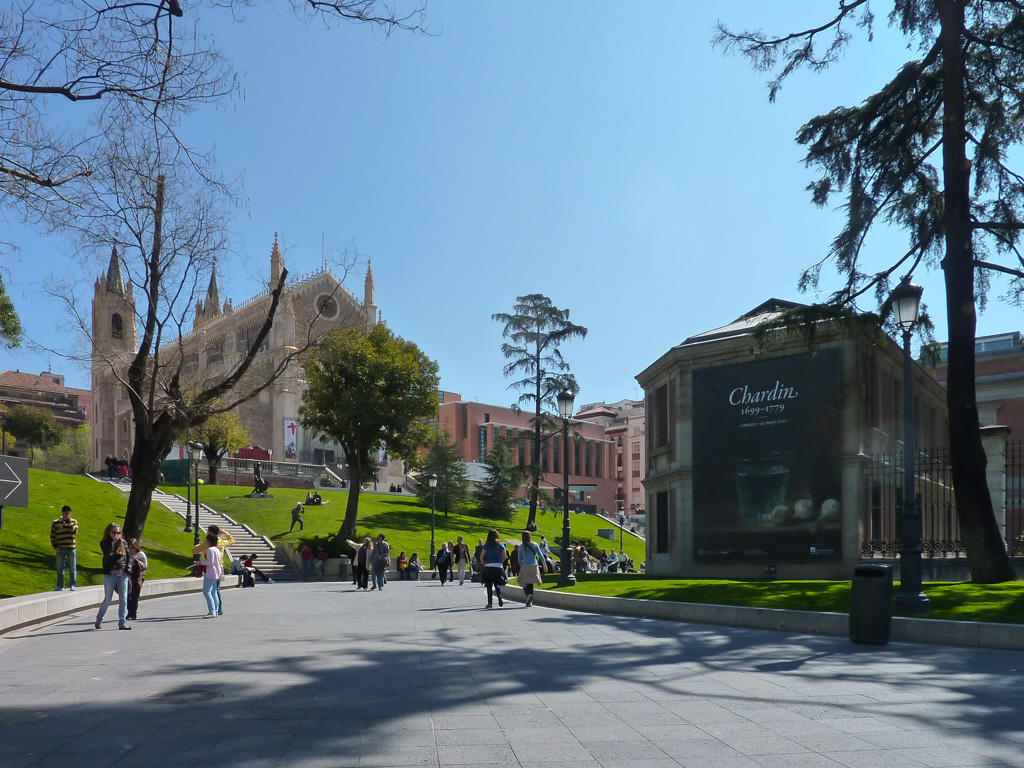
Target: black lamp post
x=622 y=525
x=911 y=600
x=432 y=482
x=195 y=448
x=188 y=493
x=565 y=403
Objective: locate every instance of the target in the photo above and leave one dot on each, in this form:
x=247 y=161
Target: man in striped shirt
x=62 y=539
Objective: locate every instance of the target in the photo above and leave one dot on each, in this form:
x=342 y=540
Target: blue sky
x=616 y=163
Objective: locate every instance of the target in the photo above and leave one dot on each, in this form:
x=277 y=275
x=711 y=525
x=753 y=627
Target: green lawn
x=1003 y=603
x=27 y=560
x=402 y=519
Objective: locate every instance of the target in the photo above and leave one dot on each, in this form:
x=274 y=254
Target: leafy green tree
x=367 y=389
x=10 y=325
x=929 y=152
x=72 y=454
x=495 y=495
x=30 y=425
x=535 y=329
x=443 y=459
x=220 y=434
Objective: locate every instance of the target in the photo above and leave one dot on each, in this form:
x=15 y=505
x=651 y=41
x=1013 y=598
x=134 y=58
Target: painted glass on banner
x=766 y=443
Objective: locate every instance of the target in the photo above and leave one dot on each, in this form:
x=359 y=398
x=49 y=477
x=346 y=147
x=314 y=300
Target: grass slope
x=402 y=519
x=1002 y=603
x=27 y=561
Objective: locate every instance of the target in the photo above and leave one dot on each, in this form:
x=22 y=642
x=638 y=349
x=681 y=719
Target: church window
x=327 y=307
x=214 y=354
x=116 y=326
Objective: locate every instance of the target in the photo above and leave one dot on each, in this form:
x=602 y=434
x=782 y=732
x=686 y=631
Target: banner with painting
x=291 y=442
x=766 y=443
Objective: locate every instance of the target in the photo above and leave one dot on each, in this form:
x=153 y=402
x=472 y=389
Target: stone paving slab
x=320 y=676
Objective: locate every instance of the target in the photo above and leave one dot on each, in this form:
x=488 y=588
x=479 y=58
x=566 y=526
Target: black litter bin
x=344 y=569
x=871 y=604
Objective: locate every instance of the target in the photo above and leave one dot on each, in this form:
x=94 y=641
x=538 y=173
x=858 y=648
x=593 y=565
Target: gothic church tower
x=114 y=342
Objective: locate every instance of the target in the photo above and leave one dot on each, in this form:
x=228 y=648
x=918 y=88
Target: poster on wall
x=766 y=447
x=291 y=450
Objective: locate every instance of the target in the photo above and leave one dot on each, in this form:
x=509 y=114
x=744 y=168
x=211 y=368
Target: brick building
x=473 y=427
x=46 y=390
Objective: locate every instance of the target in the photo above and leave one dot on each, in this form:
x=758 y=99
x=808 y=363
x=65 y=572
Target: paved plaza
x=320 y=676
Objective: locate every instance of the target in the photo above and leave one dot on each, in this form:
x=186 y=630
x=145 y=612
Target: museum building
x=756 y=461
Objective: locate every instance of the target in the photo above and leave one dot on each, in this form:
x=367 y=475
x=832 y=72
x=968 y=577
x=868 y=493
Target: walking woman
x=531 y=566
x=211 y=579
x=492 y=566
x=116 y=562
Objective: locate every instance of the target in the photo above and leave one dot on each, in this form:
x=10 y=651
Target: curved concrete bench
x=16 y=612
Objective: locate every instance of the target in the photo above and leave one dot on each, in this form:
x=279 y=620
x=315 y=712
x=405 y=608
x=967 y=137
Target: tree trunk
x=211 y=470
x=986 y=551
x=355 y=481
x=147 y=459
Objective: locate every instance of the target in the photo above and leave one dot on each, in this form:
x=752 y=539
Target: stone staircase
x=247 y=541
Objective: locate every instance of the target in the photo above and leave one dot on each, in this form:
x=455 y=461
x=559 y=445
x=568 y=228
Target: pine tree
x=495 y=495
x=908 y=156
x=536 y=329
x=443 y=459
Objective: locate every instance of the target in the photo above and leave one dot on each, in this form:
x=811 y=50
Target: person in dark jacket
x=443 y=562
x=116 y=565
x=136 y=577
x=361 y=561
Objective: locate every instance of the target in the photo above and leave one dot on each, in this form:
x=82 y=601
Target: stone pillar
x=994 y=441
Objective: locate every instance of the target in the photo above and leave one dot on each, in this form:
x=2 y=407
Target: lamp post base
x=911 y=605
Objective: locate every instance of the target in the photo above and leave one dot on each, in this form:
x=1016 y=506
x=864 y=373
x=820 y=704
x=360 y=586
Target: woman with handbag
x=492 y=566
x=361 y=561
x=381 y=560
x=116 y=562
x=531 y=566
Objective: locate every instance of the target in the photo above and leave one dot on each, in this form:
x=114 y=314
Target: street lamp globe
x=196 y=449
x=432 y=480
x=905 y=300
x=565 y=403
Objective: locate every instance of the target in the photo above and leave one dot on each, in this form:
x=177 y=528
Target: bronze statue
x=261 y=484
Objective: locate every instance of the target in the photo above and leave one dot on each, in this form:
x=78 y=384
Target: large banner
x=766 y=445
x=291 y=450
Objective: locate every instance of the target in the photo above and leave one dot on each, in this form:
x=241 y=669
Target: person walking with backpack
x=492 y=566
x=531 y=566
x=62 y=538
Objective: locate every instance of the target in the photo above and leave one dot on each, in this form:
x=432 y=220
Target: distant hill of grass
x=27 y=560
x=404 y=521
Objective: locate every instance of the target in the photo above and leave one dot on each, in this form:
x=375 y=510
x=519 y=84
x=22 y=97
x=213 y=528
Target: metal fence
x=1015 y=497
x=936 y=503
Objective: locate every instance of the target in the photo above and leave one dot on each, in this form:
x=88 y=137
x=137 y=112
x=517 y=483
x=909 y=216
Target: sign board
x=766 y=444
x=13 y=482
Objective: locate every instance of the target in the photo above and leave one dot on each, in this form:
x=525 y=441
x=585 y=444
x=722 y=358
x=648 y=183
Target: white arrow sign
x=16 y=483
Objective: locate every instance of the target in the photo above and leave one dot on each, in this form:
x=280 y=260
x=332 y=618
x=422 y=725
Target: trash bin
x=871 y=604
x=344 y=569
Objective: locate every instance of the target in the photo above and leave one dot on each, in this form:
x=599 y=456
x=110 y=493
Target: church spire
x=276 y=264
x=115 y=283
x=369 y=303
x=212 y=293
x=368 y=285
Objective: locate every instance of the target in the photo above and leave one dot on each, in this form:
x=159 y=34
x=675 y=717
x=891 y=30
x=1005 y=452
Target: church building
x=311 y=306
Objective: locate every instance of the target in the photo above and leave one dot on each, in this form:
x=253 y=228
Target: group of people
x=117 y=468
x=124 y=566
x=306 y=555
x=605 y=562
x=370 y=562
x=452 y=557
x=314 y=499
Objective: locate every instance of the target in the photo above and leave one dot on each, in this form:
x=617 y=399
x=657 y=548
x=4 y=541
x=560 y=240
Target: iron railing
x=936 y=503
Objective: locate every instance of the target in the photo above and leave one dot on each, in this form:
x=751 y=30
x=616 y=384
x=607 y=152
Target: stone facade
x=222 y=334
x=866 y=411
